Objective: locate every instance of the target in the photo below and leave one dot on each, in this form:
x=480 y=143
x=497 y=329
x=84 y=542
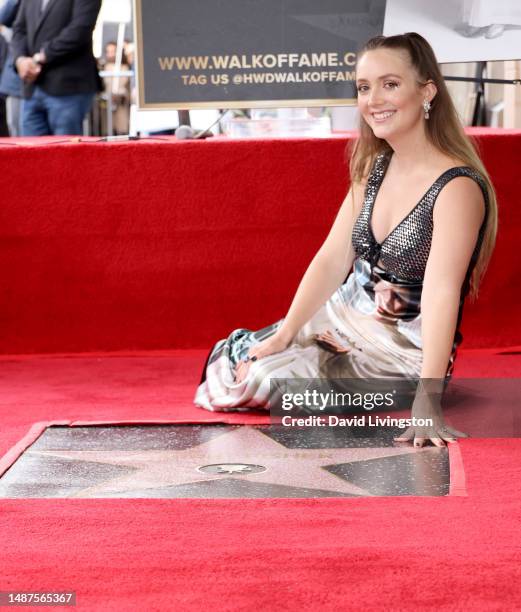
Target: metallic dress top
x=405 y=251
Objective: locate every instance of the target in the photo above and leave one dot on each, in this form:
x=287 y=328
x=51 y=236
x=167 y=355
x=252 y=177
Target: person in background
x=52 y=49
x=117 y=89
x=130 y=52
x=110 y=53
x=10 y=82
x=3 y=119
x=129 y=49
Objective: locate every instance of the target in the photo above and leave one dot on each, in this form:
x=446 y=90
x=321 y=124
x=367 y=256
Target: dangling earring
x=426 y=108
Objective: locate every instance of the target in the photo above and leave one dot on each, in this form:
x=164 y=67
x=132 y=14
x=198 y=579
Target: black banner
x=251 y=53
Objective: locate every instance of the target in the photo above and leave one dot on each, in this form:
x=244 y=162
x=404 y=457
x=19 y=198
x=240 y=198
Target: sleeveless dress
x=374 y=316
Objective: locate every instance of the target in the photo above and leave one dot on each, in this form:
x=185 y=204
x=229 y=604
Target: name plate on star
x=251 y=54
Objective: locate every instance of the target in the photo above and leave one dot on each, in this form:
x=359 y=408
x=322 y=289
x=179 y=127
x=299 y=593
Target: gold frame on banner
x=225 y=104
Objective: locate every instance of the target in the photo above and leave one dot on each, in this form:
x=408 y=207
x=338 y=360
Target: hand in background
x=28 y=69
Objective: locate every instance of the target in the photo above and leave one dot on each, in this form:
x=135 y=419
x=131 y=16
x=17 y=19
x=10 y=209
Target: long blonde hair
x=444 y=130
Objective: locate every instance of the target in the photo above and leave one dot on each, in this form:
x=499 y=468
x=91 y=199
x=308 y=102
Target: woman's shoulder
x=449 y=169
x=446 y=163
x=464 y=186
x=461 y=170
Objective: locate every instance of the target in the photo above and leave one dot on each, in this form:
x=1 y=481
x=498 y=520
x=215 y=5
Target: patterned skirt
x=374 y=322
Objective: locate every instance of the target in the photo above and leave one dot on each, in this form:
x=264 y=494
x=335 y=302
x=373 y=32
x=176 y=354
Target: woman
x=419 y=218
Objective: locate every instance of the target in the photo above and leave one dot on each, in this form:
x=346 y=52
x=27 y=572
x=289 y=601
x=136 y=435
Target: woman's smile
x=382 y=116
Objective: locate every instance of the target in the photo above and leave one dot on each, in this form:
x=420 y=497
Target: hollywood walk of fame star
x=245 y=445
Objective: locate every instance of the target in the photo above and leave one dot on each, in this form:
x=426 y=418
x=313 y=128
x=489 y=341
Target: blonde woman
x=419 y=219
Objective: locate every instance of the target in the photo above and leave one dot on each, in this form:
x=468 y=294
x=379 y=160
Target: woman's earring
x=426 y=108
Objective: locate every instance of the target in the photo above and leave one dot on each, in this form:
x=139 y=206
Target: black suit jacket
x=64 y=32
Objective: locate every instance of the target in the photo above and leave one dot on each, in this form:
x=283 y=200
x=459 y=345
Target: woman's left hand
x=437 y=432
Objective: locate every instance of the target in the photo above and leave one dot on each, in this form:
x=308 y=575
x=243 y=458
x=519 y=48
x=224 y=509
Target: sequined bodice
x=405 y=251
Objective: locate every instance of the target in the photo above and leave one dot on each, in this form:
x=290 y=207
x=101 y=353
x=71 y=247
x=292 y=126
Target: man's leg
x=34 y=116
x=4 y=130
x=66 y=113
x=14 y=116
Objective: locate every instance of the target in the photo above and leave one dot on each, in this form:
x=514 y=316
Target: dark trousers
x=45 y=115
x=4 y=130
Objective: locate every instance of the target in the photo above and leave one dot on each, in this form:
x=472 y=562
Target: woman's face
x=389 y=97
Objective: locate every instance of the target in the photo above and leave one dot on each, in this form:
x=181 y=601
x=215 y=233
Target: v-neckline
x=375 y=195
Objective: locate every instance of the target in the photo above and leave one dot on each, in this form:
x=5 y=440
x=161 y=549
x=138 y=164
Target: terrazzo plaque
x=223 y=461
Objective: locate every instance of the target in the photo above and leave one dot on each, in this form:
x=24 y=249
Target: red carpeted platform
x=165 y=244
x=113 y=257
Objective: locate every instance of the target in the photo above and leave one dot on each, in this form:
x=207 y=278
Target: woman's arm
x=325 y=274
x=458 y=215
x=327 y=270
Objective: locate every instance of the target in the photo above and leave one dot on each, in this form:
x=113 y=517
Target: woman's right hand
x=274 y=344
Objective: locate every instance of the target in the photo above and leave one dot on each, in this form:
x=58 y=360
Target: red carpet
x=144 y=387
x=371 y=554
x=148 y=247
x=448 y=553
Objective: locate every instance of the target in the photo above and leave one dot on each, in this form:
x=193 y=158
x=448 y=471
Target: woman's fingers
x=433 y=434
x=407 y=435
x=242 y=367
x=448 y=437
x=242 y=375
x=437 y=442
x=420 y=436
x=241 y=370
x=455 y=432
